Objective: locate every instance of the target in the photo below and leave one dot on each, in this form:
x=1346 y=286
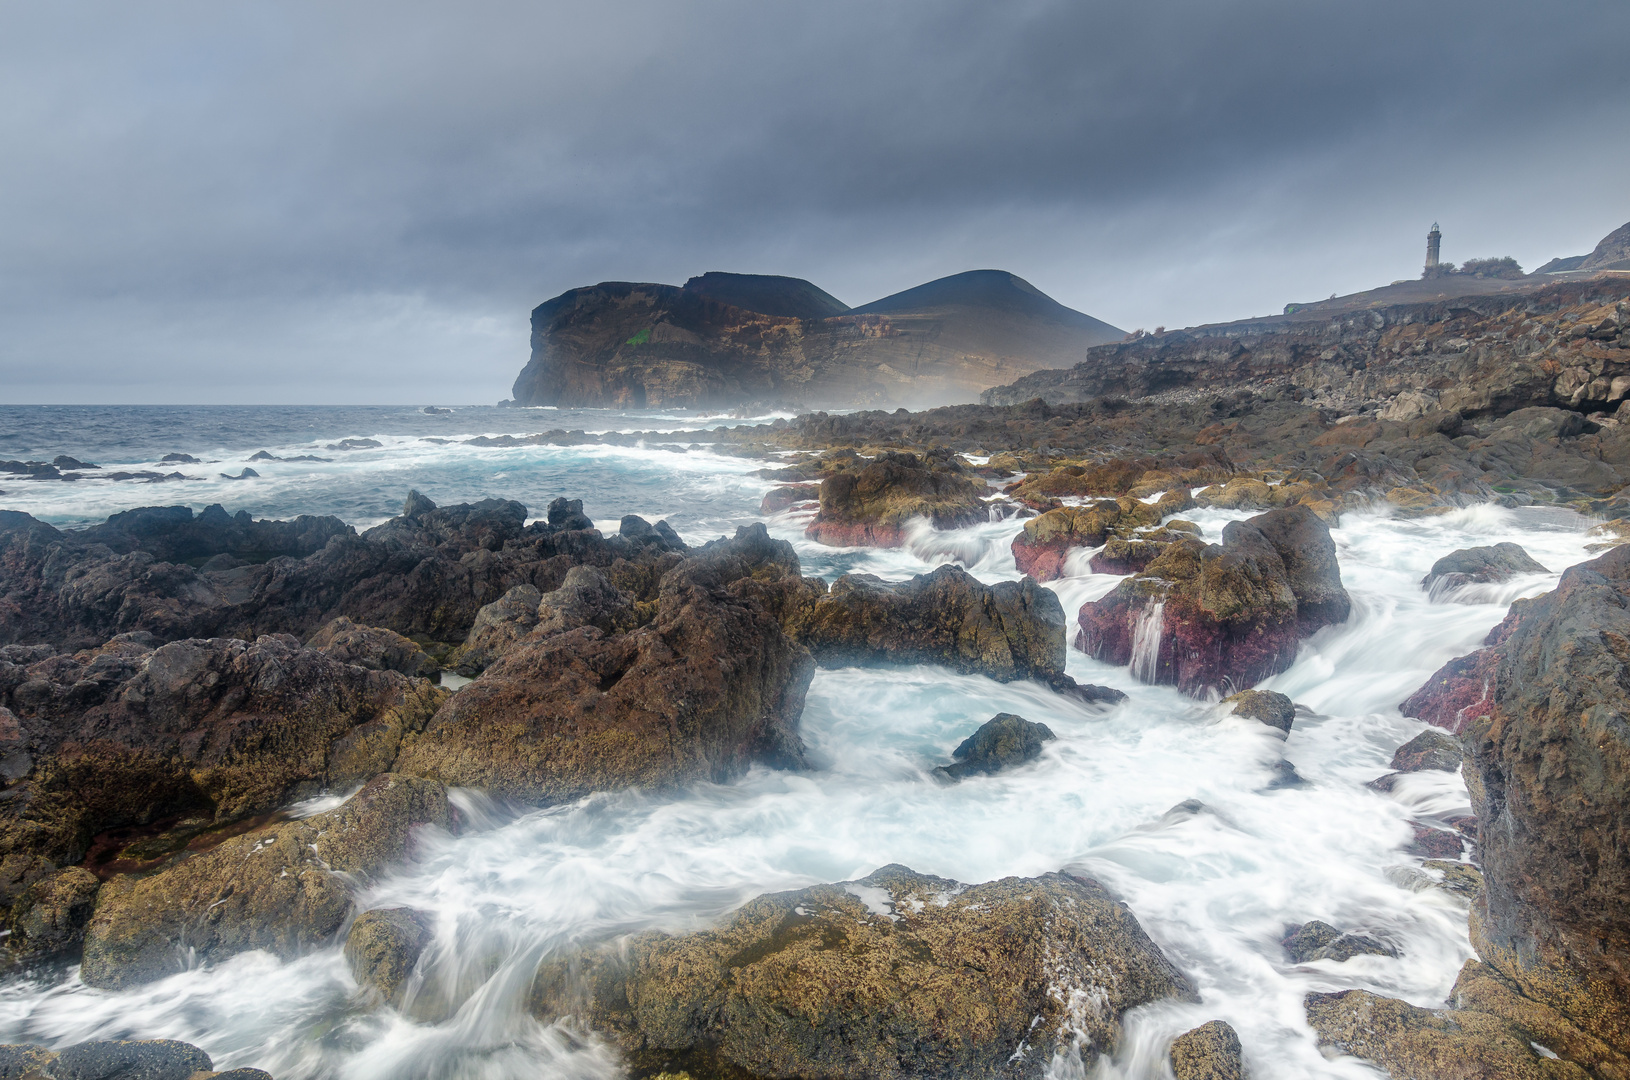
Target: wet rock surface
x=1003 y=741
x=1209 y=1052
x=383 y=946
x=708 y=686
x=117 y=1059
x=1430 y=750
x=1229 y=614
x=1272 y=708
x=372 y=647
x=285 y=888
x=222 y=729
x=873 y=504
x=896 y=975
x=1318 y=940
x=1479 y=565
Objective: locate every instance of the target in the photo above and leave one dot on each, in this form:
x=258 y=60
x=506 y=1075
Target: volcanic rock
x=1501 y=562
x=1547 y=761
x=1229 y=614
x=383 y=946
x=285 y=889
x=893 y=976
x=372 y=647
x=1209 y=1052
x=779 y=499
x=1041 y=549
x=1274 y=709
x=127 y=734
x=50 y=915
x=871 y=505
x=1318 y=940
x=1428 y=750
x=1010 y=630
x=1002 y=741
x=710 y=685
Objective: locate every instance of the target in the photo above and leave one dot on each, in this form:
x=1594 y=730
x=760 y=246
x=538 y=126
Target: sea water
x=1164 y=799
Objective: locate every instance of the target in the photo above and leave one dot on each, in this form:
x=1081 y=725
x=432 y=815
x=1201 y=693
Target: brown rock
x=50 y=915
x=914 y=976
x=1209 y=1052
x=1002 y=741
x=383 y=946
x=706 y=688
x=1430 y=750
x=779 y=499
x=277 y=889
x=1318 y=940
x=1272 y=708
x=871 y=505
x=372 y=647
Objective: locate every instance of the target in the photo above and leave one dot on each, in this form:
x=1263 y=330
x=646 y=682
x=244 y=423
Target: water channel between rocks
x=1215 y=884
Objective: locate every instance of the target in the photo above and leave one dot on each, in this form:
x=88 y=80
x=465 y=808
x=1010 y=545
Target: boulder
x=710 y=685
x=1430 y=750
x=1412 y=1043
x=789 y=495
x=1042 y=549
x=383 y=946
x=1501 y=562
x=896 y=975
x=871 y=505
x=1204 y=616
x=372 y=647
x=1318 y=940
x=18 y=1062
x=1209 y=1052
x=285 y=888
x=498 y=626
x=1002 y=741
x=221 y=729
x=1010 y=630
x=1272 y=708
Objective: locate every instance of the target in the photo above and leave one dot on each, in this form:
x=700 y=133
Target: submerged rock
x=871 y=505
x=1206 y=616
x=1430 y=750
x=1209 y=1052
x=383 y=946
x=1500 y=562
x=708 y=686
x=1272 y=708
x=1002 y=741
x=896 y=975
x=1318 y=940
x=285 y=888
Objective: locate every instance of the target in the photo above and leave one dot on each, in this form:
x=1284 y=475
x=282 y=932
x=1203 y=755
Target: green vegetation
x=640 y=338
x=1503 y=267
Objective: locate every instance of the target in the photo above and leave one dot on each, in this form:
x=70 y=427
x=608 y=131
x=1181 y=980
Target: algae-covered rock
x=1272 y=708
x=24 y=1060
x=1002 y=741
x=1046 y=542
x=383 y=946
x=1209 y=1052
x=50 y=915
x=1499 y=562
x=788 y=495
x=1412 y=1043
x=280 y=888
x=1223 y=615
x=872 y=504
x=709 y=686
x=896 y=975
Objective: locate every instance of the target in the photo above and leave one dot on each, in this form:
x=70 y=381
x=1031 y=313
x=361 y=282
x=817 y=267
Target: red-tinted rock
x=779 y=499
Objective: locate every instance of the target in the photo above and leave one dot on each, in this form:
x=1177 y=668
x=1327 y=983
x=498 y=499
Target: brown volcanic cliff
x=730 y=339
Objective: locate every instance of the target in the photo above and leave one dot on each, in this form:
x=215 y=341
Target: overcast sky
x=360 y=202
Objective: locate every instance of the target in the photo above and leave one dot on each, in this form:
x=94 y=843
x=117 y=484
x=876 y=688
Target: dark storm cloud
x=308 y=202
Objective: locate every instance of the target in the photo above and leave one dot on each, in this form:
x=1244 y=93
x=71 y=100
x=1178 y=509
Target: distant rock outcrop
x=731 y=339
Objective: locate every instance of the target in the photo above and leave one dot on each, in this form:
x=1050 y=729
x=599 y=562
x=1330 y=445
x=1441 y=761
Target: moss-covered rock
x=383 y=946
x=1002 y=741
x=1209 y=1052
x=871 y=505
x=1318 y=940
x=1046 y=542
x=50 y=915
x=896 y=975
x=285 y=888
x=372 y=647
x=1272 y=708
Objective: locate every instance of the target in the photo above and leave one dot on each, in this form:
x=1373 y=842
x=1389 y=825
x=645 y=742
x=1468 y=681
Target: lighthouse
x=1433 y=238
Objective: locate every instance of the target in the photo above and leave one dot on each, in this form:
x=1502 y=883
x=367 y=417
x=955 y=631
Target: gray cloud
x=360 y=202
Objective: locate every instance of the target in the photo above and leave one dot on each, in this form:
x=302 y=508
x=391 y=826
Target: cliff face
x=1563 y=344
x=729 y=339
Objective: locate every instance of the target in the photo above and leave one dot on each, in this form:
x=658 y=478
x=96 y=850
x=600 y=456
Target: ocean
x=1216 y=887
